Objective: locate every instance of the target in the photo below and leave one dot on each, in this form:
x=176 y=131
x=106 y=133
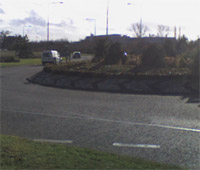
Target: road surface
x=159 y=128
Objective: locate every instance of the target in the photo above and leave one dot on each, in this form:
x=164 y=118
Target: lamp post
x=107 y=15
x=94 y=20
x=48 y=24
x=198 y=43
x=27 y=27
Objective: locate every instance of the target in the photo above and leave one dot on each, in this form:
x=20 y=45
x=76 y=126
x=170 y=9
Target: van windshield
x=47 y=54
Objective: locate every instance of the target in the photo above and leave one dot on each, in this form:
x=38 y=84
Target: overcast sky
x=68 y=19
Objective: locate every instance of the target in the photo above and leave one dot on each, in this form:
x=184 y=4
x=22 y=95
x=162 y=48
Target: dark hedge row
x=9 y=59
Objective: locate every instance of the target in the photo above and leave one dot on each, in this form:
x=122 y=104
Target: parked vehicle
x=76 y=54
x=51 y=56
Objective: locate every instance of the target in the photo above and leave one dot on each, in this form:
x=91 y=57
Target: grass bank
x=31 y=61
x=18 y=153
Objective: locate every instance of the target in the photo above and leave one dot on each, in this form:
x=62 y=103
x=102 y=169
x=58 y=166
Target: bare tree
x=163 y=30
x=5 y=33
x=139 y=29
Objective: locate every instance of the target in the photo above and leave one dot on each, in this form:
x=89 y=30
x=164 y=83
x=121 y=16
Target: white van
x=51 y=56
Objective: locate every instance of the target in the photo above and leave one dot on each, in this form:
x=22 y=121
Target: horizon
x=73 y=22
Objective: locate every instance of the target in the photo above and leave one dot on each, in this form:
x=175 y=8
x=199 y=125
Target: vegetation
x=114 y=55
x=139 y=29
x=195 y=64
x=163 y=30
x=9 y=56
x=145 y=54
x=32 y=61
x=153 y=56
x=95 y=69
x=100 y=49
x=9 y=59
x=18 y=44
x=23 y=48
x=18 y=153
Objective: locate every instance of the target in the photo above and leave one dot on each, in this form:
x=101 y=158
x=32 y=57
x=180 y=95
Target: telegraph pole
x=107 y=17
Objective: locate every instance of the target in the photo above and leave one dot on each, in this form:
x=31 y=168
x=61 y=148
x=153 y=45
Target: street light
x=48 y=32
x=27 y=27
x=94 y=20
x=107 y=15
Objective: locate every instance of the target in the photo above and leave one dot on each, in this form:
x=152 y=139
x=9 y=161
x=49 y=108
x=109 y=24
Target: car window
x=47 y=54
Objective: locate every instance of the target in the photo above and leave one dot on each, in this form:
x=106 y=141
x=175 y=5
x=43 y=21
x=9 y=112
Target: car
x=76 y=55
x=51 y=56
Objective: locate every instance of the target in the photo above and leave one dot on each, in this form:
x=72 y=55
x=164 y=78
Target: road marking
x=85 y=117
x=137 y=145
x=53 y=141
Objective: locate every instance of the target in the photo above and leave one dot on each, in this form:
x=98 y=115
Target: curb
x=163 y=86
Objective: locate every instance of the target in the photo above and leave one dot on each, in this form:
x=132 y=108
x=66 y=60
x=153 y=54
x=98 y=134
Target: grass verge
x=19 y=153
x=31 y=61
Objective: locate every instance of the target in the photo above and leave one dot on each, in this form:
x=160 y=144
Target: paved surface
x=159 y=128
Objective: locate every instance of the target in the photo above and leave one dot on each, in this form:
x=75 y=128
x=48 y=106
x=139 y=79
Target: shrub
x=182 y=62
x=195 y=65
x=153 y=56
x=124 y=58
x=134 y=60
x=170 y=48
x=114 y=55
x=100 y=49
x=23 y=48
x=9 y=59
x=170 y=62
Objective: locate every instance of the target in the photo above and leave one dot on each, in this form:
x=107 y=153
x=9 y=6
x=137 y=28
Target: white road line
x=53 y=141
x=84 y=117
x=137 y=145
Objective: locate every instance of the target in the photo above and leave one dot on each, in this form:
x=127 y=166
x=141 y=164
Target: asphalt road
x=160 y=128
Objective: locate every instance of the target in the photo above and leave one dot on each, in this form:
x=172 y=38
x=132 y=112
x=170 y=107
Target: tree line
x=112 y=51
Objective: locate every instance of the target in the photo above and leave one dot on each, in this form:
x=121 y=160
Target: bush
x=153 y=56
x=100 y=49
x=170 y=48
x=183 y=62
x=114 y=55
x=195 y=65
x=23 y=48
x=124 y=58
x=9 y=59
x=171 y=62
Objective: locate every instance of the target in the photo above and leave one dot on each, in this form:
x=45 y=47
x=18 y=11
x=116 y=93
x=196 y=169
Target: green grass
x=7 y=53
x=31 y=61
x=18 y=153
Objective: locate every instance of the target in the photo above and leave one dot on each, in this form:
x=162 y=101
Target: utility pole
x=24 y=28
x=107 y=17
x=48 y=29
x=48 y=24
x=94 y=20
x=175 y=32
x=198 y=43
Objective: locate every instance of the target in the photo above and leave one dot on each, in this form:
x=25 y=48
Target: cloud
x=33 y=19
x=2 y=11
x=61 y=24
x=16 y=22
x=65 y=24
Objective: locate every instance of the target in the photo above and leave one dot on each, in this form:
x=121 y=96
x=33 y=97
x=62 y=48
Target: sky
x=68 y=18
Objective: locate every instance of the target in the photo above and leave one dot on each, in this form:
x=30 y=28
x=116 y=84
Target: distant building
x=123 y=39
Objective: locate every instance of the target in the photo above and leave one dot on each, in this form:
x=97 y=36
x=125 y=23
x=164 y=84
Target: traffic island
x=164 y=85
